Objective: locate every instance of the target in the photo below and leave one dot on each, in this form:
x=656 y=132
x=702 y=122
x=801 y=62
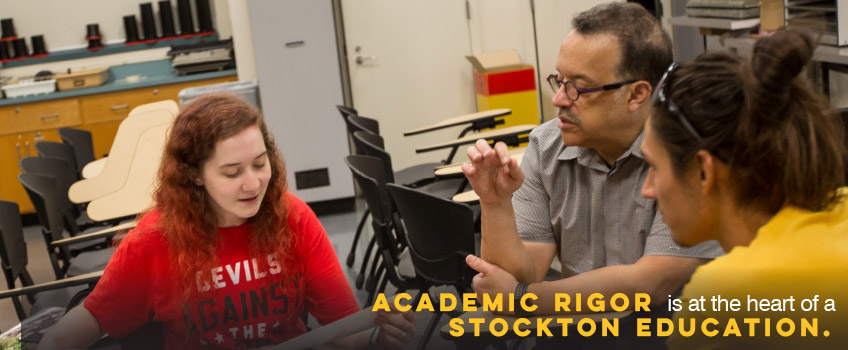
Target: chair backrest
x=370 y=175
x=13 y=250
x=439 y=233
x=82 y=143
x=59 y=150
x=43 y=192
x=358 y=123
x=52 y=167
x=346 y=111
x=372 y=145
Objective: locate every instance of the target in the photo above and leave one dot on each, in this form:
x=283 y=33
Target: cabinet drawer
x=116 y=105
x=40 y=116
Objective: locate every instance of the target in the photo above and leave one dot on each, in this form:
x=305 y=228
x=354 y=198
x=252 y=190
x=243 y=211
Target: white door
x=412 y=70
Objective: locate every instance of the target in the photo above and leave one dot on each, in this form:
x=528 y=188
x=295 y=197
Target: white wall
x=242 y=39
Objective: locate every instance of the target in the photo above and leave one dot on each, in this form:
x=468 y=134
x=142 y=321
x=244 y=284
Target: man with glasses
x=577 y=194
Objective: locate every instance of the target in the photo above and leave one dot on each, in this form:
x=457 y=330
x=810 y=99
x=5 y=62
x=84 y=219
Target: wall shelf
x=110 y=49
x=715 y=23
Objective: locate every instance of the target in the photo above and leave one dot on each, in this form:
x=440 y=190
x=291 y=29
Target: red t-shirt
x=245 y=305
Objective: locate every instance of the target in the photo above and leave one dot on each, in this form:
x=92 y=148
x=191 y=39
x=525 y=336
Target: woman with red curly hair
x=227 y=258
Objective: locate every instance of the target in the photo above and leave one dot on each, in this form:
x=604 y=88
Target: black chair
x=370 y=175
x=417 y=176
x=59 y=150
x=63 y=173
x=359 y=123
x=82 y=143
x=440 y=234
x=346 y=111
x=68 y=256
x=13 y=259
x=369 y=125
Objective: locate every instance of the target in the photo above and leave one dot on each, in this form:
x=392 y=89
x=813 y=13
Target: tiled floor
x=340 y=228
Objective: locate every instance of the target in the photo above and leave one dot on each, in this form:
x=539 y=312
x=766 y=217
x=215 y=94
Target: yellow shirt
x=798 y=254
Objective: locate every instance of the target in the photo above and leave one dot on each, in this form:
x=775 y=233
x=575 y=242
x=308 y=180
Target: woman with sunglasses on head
x=227 y=258
x=743 y=151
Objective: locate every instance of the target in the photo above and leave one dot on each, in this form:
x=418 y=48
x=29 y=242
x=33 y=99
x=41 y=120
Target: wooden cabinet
x=27 y=123
x=13 y=147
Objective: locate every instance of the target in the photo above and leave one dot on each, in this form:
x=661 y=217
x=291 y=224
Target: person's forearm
x=500 y=244
x=78 y=329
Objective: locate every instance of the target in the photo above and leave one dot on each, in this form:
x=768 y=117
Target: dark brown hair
x=782 y=142
x=645 y=46
x=187 y=220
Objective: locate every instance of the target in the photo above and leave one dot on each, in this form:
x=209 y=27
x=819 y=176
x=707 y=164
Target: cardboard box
x=82 y=79
x=771 y=15
x=502 y=81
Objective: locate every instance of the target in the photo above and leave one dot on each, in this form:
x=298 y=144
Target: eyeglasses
x=660 y=96
x=573 y=92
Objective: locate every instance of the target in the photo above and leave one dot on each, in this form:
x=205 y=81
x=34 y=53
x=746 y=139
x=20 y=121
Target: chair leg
x=360 y=279
x=425 y=338
x=370 y=280
x=351 y=257
x=383 y=281
x=26 y=280
x=372 y=293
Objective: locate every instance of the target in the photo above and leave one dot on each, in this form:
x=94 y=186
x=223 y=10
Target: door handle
x=117 y=107
x=50 y=116
x=18 y=146
x=295 y=43
x=361 y=60
x=29 y=153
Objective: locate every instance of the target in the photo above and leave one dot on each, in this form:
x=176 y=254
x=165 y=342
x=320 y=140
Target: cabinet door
x=102 y=136
x=12 y=149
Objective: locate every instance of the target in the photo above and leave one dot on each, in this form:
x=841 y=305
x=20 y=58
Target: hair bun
x=778 y=59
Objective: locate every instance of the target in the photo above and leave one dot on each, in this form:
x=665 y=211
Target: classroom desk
x=454 y=170
x=93 y=168
x=479 y=120
x=467 y=197
x=106 y=232
x=508 y=135
x=89 y=278
x=485 y=338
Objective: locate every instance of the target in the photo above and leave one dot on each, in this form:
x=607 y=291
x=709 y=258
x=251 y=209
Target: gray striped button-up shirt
x=594 y=213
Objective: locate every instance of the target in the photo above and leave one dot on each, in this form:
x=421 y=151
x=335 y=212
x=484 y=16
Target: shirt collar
x=584 y=155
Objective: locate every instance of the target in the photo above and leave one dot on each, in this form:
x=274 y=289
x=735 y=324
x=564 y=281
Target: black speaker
x=38 y=48
x=92 y=34
x=20 y=47
x=204 y=16
x=8 y=28
x=148 y=26
x=166 y=19
x=131 y=29
x=184 y=11
x=5 y=53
